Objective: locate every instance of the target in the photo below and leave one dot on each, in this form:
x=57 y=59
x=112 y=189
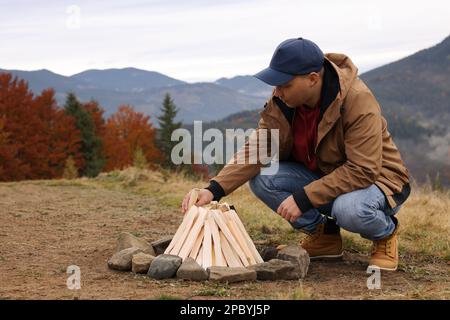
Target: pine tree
x=166 y=127
x=90 y=142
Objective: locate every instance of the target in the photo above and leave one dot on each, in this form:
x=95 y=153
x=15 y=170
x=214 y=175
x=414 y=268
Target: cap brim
x=273 y=77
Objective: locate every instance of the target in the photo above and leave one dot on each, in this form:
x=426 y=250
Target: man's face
x=297 y=91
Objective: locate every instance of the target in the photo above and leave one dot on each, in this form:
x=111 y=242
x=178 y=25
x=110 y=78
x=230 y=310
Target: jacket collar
x=340 y=72
x=346 y=73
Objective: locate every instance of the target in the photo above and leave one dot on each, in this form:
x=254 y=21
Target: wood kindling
x=213 y=235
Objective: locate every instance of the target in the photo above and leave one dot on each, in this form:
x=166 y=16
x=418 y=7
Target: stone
x=298 y=256
x=276 y=269
x=191 y=270
x=160 y=245
x=164 y=266
x=281 y=246
x=140 y=263
x=269 y=253
x=122 y=260
x=228 y=274
x=127 y=240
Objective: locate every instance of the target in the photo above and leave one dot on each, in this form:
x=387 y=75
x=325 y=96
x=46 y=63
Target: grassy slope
x=424 y=242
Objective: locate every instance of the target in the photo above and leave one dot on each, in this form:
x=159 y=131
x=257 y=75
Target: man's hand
x=289 y=210
x=204 y=197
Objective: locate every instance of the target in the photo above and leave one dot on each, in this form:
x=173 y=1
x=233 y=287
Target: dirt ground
x=44 y=229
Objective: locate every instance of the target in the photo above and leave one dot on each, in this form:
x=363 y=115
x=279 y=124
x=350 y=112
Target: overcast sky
x=200 y=40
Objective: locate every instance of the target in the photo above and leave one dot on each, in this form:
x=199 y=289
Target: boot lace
x=384 y=246
x=311 y=237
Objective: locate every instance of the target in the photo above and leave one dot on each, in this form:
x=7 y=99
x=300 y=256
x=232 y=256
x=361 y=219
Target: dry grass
x=424 y=227
x=147 y=203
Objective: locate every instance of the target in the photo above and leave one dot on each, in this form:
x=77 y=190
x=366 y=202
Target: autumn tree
x=3 y=133
x=19 y=122
x=90 y=143
x=3 y=142
x=126 y=132
x=167 y=125
x=37 y=135
x=23 y=154
x=62 y=138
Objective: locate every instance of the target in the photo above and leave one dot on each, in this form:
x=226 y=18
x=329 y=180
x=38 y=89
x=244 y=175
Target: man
x=339 y=166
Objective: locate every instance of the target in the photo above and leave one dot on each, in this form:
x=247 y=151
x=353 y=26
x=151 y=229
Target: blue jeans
x=363 y=211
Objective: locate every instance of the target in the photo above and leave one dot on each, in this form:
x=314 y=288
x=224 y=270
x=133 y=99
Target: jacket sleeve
x=239 y=169
x=363 y=148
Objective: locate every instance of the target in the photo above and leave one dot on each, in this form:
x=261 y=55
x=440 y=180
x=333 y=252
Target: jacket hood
x=346 y=70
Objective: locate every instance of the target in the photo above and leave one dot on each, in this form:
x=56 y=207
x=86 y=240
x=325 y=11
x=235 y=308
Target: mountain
x=246 y=84
x=127 y=79
x=201 y=101
x=418 y=85
x=43 y=79
x=144 y=90
x=196 y=101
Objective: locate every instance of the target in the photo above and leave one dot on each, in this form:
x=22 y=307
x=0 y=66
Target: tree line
x=40 y=140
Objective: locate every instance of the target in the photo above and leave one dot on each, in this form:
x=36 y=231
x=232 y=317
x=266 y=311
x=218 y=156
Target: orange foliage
x=62 y=139
x=126 y=130
x=37 y=136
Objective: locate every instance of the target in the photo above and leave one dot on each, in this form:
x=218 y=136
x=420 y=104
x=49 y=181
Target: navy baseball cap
x=292 y=57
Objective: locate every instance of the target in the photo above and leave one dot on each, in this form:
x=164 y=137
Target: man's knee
x=352 y=213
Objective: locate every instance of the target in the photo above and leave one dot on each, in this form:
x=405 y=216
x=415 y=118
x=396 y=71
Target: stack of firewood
x=213 y=235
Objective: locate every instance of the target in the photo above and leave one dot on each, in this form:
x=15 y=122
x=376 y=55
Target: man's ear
x=314 y=78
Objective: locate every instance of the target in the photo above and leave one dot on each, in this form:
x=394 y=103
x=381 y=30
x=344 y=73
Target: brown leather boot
x=325 y=242
x=385 y=251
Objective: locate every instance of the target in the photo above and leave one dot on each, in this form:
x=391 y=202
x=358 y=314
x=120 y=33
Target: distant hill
x=127 y=79
x=43 y=79
x=246 y=84
x=420 y=82
x=197 y=101
x=145 y=91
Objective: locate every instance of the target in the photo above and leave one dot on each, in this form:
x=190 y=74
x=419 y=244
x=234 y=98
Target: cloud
x=205 y=40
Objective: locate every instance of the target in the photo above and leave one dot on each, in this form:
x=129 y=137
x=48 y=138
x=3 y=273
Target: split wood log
x=230 y=257
x=207 y=256
x=192 y=234
x=213 y=236
x=188 y=219
x=249 y=241
x=197 y=245
x=239 y=237
x=218 y=257
x=193 y=197
x=222 y=225
x=199 y=259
